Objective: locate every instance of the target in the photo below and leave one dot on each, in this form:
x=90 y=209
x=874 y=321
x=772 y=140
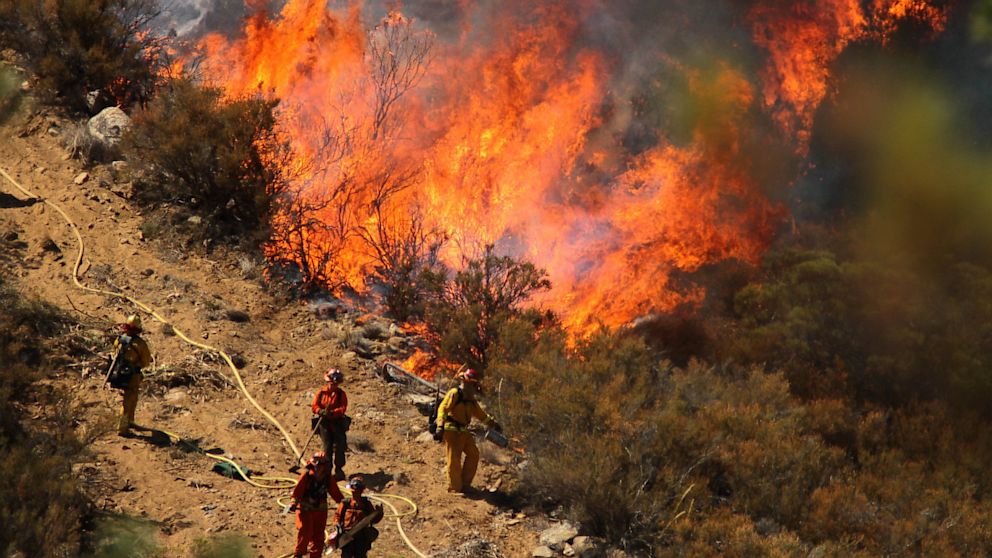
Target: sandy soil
x=286 y=348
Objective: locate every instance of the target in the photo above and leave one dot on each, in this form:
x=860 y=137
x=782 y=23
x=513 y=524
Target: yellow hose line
x=153 y=313
x=224 y=355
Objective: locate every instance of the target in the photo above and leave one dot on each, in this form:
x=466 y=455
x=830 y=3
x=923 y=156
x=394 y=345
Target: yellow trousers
x=130 y=404
x=460 y=475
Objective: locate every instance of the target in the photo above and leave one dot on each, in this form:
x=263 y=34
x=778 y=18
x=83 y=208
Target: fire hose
x=284 y=483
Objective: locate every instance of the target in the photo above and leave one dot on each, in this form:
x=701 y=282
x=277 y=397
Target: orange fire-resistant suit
x=137 y=356
x=454 y=416
x=333 y=403
x=310 y=495
x=348 y=514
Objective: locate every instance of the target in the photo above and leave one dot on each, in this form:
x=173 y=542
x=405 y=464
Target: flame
x=505 y=137
x=804 y=38
x=429 y=365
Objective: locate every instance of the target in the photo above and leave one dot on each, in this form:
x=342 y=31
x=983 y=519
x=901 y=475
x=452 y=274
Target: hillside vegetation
x=830 y=400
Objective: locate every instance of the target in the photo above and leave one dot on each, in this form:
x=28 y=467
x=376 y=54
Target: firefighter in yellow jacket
x=454 y=415
x=132 y=356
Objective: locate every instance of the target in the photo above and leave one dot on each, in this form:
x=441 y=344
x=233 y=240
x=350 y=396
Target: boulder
x=555 y=536
x=542 y=552
x=108 y=127
x=589 y=547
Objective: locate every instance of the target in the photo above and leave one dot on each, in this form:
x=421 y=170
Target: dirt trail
x=285 y=347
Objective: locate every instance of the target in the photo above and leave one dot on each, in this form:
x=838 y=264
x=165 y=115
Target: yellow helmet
x=133 y=322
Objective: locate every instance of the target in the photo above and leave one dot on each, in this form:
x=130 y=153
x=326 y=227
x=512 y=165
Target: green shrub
x=872 y=330
x=79 y=46
x=220 y=159
x=41 y=509
x=478 y=301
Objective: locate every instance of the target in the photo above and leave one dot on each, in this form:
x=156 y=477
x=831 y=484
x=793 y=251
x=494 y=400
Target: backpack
x=123 y=371
x=433 y=408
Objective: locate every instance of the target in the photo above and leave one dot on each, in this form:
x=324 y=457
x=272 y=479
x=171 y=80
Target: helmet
x=357 y=482
x=333 y=375
x=319 y=457
x=470 y=375
x=133 y=322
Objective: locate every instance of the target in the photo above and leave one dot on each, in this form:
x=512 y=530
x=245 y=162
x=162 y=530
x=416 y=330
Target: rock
x=421 y=401
x=108 y=127
x=396 y=331
x=364 y=349
x=97 y=100
x=174 y=395
x=556 y=535
x=119 y=171
x=195 y=220
x=542 y=552
x=10 y=236
x=588 y=547
x=424 y=438
x=396 y=344
x=49 y=246
x=375 y=330
x=568 y=551
x=239 y=316
x=818 y=552
x=81 y=178
x=81 y=469
x=326 y=310
x=148 y=272
x=239 y=361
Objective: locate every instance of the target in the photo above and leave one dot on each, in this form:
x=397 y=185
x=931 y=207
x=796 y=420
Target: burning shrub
x=80 y=46
x=408 y=266
x=220 y=159
x=481 y=298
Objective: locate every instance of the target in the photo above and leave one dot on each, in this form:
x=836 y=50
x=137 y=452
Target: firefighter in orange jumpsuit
x=329 y=407
x=454 y=415
x=349 y=513
x=133 y=356
x=310 y=502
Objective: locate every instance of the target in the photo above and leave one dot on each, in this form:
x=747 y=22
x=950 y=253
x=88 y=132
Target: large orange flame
x=501 y=139
x=804 y=38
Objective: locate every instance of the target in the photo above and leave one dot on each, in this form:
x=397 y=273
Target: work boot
x=339 y=474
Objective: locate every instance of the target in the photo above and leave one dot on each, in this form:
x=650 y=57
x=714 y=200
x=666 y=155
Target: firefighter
x=310 y=503
x=454 y=416
x=329 y=407
x=132 y=356
x=349 y=513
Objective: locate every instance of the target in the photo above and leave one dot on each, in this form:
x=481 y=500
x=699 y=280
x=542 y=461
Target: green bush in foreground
x=706 y=461
x=41 y=509
x=219 y=159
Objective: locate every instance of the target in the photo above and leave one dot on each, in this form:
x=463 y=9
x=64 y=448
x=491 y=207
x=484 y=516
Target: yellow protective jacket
x=456 y=412
x=137 y=353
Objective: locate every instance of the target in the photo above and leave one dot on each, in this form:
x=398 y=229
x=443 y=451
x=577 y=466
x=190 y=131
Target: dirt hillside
x=285 y=348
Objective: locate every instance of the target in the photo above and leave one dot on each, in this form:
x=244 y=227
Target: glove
x=439 y=435
x=293 y=507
